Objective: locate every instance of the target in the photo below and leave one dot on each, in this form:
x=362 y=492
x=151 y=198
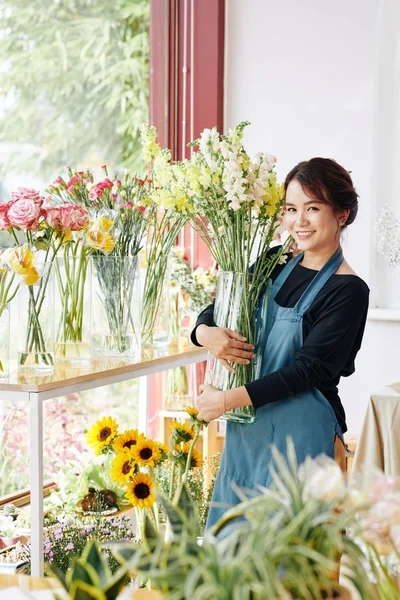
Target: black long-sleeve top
x=333 y=329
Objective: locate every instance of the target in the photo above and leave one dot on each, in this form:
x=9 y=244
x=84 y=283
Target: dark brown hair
x=325 y=180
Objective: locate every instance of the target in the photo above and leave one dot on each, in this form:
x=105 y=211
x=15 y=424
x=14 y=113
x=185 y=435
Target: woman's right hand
x=226 y=345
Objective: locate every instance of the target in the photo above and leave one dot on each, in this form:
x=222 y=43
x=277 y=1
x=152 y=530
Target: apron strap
x=284 y=274
x=318 y=282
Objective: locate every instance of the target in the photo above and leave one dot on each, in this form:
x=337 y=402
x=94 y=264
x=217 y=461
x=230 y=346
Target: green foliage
x=74 y=81
x=279 y=544
x=90 y=577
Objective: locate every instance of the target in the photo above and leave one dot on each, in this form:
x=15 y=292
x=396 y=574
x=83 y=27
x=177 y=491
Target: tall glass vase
x=72 y=342
x=156 y=305
x=36 y=321
x=237 y=307
x=115 y=313
x=4 y=340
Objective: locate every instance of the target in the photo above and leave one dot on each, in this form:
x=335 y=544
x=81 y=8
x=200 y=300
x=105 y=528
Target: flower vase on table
x=241 y=304
x=72 y=342
x=115 y=312
x=36 y=320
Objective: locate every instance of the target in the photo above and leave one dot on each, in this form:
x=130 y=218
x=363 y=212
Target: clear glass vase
x=36 y=321
x=115 y=311
x=237 y=307
x=4 y=341
x=155 y=306
x=177 y=388
x=72 y=341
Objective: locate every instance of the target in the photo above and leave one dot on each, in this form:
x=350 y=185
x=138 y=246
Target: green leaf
x=115 y=584
x=93 y=557
x=151 y=534
x=82 y=572
x=187 y=505
x=58 y=574
x=83 y=591
x=175 y=516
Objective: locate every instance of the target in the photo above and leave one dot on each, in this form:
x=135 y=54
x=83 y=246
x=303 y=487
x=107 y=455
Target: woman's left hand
x=210 y=403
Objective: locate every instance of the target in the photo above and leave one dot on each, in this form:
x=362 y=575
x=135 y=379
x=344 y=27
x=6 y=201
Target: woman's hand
x=225 y=345
x=210 y=403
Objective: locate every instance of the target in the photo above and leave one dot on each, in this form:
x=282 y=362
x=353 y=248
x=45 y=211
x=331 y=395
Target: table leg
x=36 y=468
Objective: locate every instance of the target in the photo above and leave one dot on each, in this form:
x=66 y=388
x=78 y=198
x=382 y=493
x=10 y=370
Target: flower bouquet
x=234 y=205
x=166 y=219
x=136 y=456
x=118 y=211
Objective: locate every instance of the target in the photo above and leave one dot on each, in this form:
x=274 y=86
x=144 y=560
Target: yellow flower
x=182 y=432
x=20 y=260
x=146 y=452
x=192 y=411
x=126 y=440
x=105 y=224
x=196 y=460
x=123 y=467
x=100 y=240
x=142 y=259
x=102 y=433
x=140 y=492
x=31 y=277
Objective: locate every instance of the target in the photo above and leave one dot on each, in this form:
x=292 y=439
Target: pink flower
x=27 y=193
x=129 y=205
x=72 y=181
x=118 y=183
x=67 y=217
x=58 y=181
x=25 y=209
x=141 y=208
x=4 y=222
x=104 y=166
x=114 y=196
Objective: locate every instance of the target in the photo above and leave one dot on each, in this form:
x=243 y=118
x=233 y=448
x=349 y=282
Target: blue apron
x=307 y=418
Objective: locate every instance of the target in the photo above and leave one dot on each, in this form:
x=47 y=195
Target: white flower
x=323 y=478
x=221 y=230
x=283 y=259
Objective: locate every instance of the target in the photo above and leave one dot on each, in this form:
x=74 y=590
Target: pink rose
x=4 y=222
x=27 y=194
x=72 y=181
x=25 y=213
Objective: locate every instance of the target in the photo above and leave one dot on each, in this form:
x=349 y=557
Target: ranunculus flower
x=4 y=221
x=25 y=211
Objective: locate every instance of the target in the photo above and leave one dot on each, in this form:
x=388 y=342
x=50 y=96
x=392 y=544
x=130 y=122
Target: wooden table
x=27 y=583
x=35 y=388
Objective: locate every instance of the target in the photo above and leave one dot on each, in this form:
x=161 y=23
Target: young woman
x=316 y=321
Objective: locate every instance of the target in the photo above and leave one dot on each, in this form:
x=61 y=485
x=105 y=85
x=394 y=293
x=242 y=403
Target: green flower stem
x=171 y=481
x=164 y=233
x=189 y=456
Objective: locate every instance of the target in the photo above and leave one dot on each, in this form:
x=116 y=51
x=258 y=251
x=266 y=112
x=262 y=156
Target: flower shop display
x=14 y=559
x=234 y=205
x=118 y=211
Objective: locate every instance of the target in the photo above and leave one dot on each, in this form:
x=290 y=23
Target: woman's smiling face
x=312 y=223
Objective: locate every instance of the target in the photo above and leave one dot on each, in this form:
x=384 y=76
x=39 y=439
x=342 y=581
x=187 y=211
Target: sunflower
x=102 y=433
x=182 y=432
x=192 y=411
x=123 y=467
x=146 y=452
x=140 y=491
x=196 y=458
x=126 y=440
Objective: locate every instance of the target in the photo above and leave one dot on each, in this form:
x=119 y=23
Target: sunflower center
x=104 y=433
x=130 y=443
x=142 y=491
x=126 y=467
x=146 y=453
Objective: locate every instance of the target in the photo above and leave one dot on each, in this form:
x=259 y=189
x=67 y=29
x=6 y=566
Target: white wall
x=310 y=76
